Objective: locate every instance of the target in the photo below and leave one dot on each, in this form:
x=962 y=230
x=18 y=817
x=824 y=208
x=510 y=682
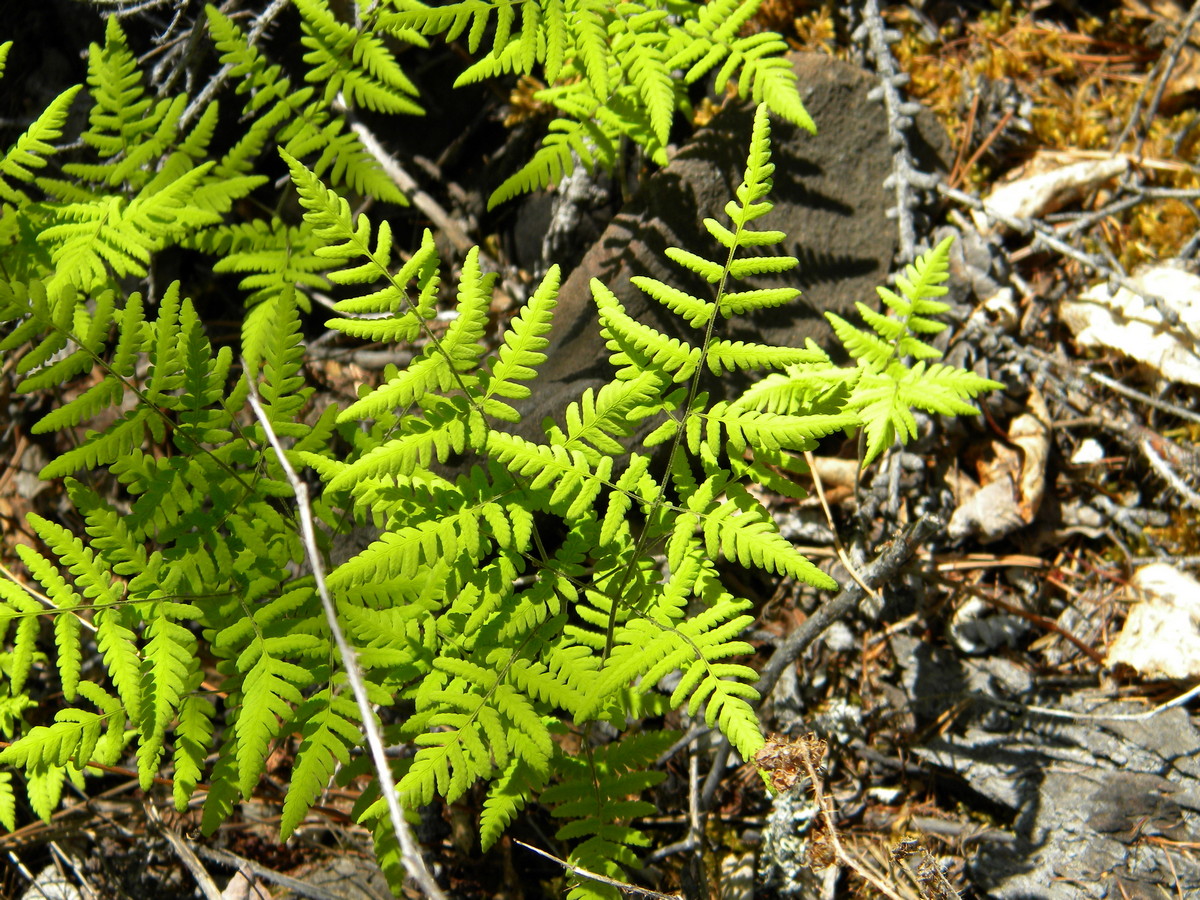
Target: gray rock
x=1086 y=795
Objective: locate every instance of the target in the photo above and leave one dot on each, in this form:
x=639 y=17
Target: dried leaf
x=1126 y=323
x=1030 y=431
x=784 y=760
x=1037 y=195
x=820 y=852
x=1161 y=635
x=1013 y=479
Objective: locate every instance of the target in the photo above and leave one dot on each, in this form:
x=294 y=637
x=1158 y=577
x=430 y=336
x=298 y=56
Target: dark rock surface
x=1095 y=802
x=829 y=198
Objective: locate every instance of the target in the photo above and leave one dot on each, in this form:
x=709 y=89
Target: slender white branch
x=595 y=876
x=410 y=853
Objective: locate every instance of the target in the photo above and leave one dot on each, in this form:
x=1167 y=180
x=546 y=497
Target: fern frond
x=400 y=640
x=744 y=429
x=594 y=792
x=193 y=737
x=270 y=694
x=887 y=389
x=282 y=356
x=328 y=732
x=77 y=737
x=693 y=310
x=508 y=794
x=331 y=220
x=17 y=604
x=122 y=115
x=520 y=353
x=118 y=646
x=270 y=254
x=766 y=76
x=440 y=367
x=555 y=159
x=740 y=528
x=169 y=652
x=300 y=125
x=648 y=649
x=637 y=346
x=574 y=476
x=32 y=147
x=355 y=63
x=599 y=419
x=437 y=437
x=612 y=69
x=885 y=401
x=511 y=51
x=451 y=18
x=110 y=232
x=457 y=753
x=640 y=46
x=223 y=793
x=66 y=625
x=8 y=800
x=91 y=573
x=402 y=553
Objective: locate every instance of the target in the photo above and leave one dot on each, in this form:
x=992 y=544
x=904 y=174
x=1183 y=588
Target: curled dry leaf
x=1126 y=323
x=820 y=852
x=990 y=513
x=1030 y=432
x=1002 y=308
x=1013 y=479
x=787 y=761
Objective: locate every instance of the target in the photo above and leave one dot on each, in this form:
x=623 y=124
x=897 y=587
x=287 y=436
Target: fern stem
x=676 y=442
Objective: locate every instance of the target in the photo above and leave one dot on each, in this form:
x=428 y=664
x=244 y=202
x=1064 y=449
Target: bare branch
x=595 y=876
x=410 y=853
x=884 y=568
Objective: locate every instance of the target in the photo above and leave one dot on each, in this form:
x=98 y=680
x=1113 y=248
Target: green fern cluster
x=502 y=639
x=614 y=71
x=504 y=611
x=883 y=389
x=150 y=177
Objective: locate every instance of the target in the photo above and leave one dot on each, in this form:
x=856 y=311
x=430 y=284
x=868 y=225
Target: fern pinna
x=884 y=387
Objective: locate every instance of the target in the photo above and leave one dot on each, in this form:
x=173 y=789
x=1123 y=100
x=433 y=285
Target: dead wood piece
x=884 y=568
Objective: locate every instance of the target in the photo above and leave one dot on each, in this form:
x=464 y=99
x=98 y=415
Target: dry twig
x=410 y=853
x=882 y=569
x=597 y=877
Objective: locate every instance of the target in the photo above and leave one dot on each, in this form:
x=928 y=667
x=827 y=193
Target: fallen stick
x=882 y=569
